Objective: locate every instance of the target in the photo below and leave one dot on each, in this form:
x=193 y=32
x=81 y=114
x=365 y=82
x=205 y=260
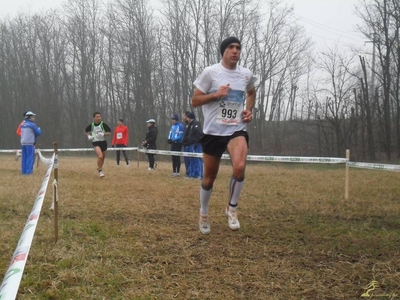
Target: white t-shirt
x=223 y=116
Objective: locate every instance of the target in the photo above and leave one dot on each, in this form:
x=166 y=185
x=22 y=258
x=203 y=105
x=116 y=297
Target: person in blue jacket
x=29 y=132
x=175 y=138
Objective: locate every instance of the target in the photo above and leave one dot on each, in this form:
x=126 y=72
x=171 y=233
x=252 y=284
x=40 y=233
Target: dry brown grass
x=134 y=235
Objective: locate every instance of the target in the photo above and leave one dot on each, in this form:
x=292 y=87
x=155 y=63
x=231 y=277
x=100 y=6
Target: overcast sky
x=326 y=21
x=329 y=22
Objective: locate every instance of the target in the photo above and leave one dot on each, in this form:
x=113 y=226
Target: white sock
x=205 y=196
x=235 y=187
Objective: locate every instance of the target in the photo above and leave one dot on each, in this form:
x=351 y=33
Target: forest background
x=126 y=61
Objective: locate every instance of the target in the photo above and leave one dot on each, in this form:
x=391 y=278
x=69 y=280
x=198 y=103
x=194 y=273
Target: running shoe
x=101 y=174
x=204 y=225
x=233 y=221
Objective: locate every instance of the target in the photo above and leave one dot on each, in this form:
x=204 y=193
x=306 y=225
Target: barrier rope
x=294 y=159
x=67 y=150
x=298 y=159
x=372 y=166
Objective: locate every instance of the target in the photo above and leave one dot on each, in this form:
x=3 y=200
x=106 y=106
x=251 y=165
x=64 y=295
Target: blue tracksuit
x=29 y=132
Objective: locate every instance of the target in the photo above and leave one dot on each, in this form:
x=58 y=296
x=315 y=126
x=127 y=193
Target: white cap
x=150 y=121
x=29 y=113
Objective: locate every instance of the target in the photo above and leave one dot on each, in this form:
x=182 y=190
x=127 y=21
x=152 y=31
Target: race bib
x=230 y=108
x=119 y=135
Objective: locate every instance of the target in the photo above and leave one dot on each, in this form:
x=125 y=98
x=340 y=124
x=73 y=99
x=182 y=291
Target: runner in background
x=96 y=133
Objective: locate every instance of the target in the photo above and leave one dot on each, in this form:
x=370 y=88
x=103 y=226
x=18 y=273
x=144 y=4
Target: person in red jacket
x=120 y=140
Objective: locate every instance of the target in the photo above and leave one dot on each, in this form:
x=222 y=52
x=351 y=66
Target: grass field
x=134 y=234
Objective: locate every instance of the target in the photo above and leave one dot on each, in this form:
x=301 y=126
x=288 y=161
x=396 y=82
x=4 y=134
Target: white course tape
x=295 y=159
x=10 y=151
x=372 y=166
x=46 y=161
x=67 y=150
x=12 y=278
x=298 y=159
x=88 y=149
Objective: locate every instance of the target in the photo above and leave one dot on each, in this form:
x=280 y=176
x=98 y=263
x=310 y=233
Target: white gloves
x=100 y=134
x=90 y=138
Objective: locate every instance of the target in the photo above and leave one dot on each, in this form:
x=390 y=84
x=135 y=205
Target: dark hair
x=96 y=113
x=122 y=121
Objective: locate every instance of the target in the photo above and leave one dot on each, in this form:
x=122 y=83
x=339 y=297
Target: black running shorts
x=101 y=144
x=215 y=145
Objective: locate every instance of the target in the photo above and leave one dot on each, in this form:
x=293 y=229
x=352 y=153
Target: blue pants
x=194 y=165
x=27 y=159
x=197 y=163
x=186 y=159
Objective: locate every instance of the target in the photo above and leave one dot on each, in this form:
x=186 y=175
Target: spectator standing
x=175 y=138
x=29 y=132
x=96 y=133
x=191 y=143
x=150 y=142
x=120 y=140
x=222 y=90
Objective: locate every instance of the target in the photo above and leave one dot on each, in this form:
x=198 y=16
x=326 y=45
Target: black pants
x=176 y=160
x=151 y=160
x=119 y=154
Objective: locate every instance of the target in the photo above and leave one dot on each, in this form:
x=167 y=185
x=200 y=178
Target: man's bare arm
x=199 y=98
x=247 y=114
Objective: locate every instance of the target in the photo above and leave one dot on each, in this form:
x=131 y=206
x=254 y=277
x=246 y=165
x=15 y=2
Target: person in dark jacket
x=150 y=142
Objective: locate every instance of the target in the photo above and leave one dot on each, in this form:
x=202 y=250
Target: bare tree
x=365 y=106
x=281 y=56
x=380 y=18
x=338 y=88
x=131 y=62
x=82 y=69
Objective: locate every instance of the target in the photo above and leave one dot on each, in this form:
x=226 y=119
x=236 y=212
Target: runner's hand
x=90 y=138
x=247 y=116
